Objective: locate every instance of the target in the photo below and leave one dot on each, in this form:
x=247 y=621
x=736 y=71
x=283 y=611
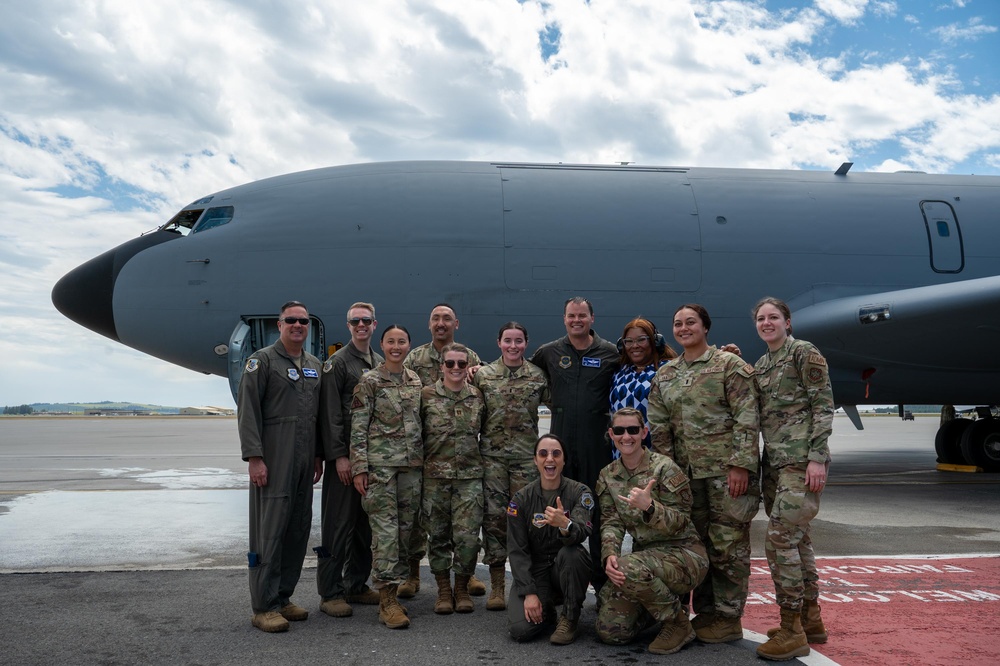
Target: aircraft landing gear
x=948 y=441
x=981 y=444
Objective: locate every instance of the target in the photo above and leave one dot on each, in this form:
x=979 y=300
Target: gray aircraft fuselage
x=894 y=276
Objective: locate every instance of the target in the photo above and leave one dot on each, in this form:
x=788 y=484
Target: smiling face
x=689 y=330
x=550 y=459
x=512 y=344
x=772 y=327
x=578 y=320
x=455 y=377
x=638 y=347
x=442 y=325
x=629 y=445
x=293 y=336
x=395 y=347
x=361 y=333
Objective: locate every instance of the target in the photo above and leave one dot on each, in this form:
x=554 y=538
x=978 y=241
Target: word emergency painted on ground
x=904 y=610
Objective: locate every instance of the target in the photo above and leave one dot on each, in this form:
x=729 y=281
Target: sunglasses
x=544 y=453
x=451 y=363
x=621 y=430
x=296 y=320
x=367 y=321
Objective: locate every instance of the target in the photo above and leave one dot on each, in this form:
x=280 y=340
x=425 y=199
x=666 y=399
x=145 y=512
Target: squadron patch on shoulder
x=512 y=509
x=538 y=520
x=587 y=501
x=328 y=366
x=252 y=365
x=678 y=480
x=357 y=403
x=815 y=375
x=565 y=362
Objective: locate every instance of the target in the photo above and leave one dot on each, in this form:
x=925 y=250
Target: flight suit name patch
x=309 y=372
x=590 y=362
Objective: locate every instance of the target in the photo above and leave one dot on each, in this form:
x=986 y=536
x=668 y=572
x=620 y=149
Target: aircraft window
x=943 y=230
x=214 y=217
x=183 y=221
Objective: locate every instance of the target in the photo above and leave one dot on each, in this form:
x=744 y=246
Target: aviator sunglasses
x=621 y=430
x=296 y=320
x=451 y=363
x=367 y=321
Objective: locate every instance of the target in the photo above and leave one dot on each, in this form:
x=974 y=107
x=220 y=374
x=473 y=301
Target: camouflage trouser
x=392 y=504
x=790 y=504
x=501 y=479
x=723 y=523
x=657 y=581
x=452 y=517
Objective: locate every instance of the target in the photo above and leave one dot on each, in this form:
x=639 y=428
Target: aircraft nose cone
x=85 y=295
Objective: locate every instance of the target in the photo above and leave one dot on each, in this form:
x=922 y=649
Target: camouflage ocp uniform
x=667 y=560
x=453 y=475
x=703 y=414
x=512 y=396
x=426 y=360
x=386 y=444
x=796 y=409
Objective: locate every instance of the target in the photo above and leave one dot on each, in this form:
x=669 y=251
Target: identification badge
x=589 y=362
x=293 y=374
x=309 y=372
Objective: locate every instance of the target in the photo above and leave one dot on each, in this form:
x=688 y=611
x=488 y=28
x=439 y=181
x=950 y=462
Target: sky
x=114 y=114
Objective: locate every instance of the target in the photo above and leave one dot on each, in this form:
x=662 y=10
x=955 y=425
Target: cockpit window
x=214 y=217
x=183 y=221
x=193 y=221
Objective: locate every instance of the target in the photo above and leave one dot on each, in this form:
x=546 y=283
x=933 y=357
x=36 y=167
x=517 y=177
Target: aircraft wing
x=881 y=346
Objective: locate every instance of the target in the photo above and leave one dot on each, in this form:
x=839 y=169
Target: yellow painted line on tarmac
x=946 y=467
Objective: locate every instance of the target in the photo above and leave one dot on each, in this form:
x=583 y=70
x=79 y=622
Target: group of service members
x=429 y=448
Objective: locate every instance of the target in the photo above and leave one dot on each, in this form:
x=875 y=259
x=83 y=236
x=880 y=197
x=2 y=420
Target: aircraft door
x=253 y=333
x=944 y=235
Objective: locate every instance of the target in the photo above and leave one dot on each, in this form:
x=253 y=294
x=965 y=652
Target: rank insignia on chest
x=538 y=520
x=293 y=374
x=252 y=365
x=512 y=510
x=565 y=362
x=309 y=372
x=686 y=381
x=591 y=362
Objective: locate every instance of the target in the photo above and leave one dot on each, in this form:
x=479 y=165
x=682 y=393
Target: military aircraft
x=895 y=276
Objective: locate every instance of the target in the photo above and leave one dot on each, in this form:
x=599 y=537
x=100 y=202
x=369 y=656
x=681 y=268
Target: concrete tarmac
x=123 y=540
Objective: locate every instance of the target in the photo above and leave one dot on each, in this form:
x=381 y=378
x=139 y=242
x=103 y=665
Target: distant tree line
x=19 y=409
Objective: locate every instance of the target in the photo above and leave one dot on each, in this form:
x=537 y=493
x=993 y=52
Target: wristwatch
x=650 y=509
x=565 y=530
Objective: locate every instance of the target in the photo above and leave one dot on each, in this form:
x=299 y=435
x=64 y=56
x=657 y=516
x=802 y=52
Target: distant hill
x=80 y=407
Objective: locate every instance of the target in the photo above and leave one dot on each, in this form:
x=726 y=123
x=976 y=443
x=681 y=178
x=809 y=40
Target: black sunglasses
x=451 y=363
x=367 y=321
x=296 y=320
x=544 y=453
x=621 y=430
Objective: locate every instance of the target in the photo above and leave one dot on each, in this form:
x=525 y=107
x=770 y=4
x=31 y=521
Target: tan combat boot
x=722 y=630
x=365 y=595
x=812 y=623
x=445 y=603
x=293 y=612
x=463 y=602
x=477 y=588
x=498 y=595
x=675 y=633
x=789 y=642
x=390 y=613
x=336 y=607
x=565 y=632
x=271 y=622
x=412 y=584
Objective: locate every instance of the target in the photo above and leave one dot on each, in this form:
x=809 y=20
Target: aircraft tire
x=948 y=441
x=981 y=444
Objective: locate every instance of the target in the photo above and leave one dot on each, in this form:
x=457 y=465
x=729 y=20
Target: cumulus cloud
x=118 y=113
